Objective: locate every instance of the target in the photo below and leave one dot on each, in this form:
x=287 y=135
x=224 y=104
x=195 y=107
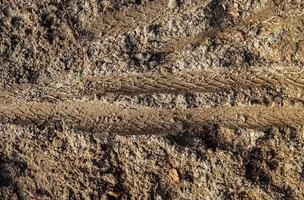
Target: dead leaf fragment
x=173 y=173
x=114 y=194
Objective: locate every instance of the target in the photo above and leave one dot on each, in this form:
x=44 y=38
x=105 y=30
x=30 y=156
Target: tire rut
x=176 y=45
x=204 y=81
x=135 y=16
x=289 y=80
x=97 y=116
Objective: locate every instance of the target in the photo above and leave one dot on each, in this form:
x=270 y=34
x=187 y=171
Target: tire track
x=176 y=45
x=288 y=80
x=97 y=116
x=135 y=16
x=204 y=81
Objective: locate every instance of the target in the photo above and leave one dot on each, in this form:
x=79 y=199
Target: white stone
x=172 y=4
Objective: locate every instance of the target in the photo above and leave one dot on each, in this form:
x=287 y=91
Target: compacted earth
x=151 y=99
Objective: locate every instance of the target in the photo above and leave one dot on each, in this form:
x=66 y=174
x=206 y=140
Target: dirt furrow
x=96 y=116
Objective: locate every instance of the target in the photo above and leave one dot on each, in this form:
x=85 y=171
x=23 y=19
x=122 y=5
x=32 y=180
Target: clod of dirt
x=7 y=175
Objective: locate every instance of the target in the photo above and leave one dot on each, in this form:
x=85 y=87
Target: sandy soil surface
x=151 y=99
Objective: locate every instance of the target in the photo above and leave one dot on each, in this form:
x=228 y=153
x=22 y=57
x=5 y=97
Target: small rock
x=143 y=57
x=173 y=4
x=234 y=11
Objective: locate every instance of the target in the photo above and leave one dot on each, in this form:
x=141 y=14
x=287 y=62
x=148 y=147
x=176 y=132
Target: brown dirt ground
x=151 y=99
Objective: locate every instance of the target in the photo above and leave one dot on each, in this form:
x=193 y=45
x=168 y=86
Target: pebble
x=173 y=4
